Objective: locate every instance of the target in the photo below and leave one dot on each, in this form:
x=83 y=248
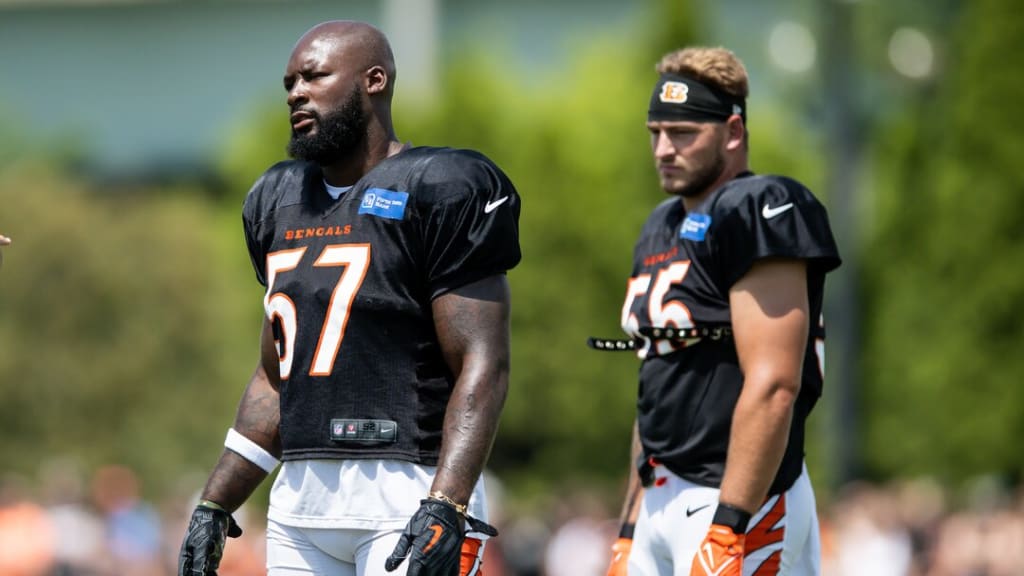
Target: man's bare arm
x=770 y=324
x=234 y=478
x=472 y=325
x=634 y=488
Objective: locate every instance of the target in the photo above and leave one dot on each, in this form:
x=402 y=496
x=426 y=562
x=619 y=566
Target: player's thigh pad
x=783 y=537
x=674 y=518
x=373 y=552
x=292 y=552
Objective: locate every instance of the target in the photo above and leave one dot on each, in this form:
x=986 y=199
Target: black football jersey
x=684 y=265
x=349 y=290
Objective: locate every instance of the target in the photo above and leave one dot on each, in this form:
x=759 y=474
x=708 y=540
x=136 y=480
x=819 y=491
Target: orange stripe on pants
x=763 y=534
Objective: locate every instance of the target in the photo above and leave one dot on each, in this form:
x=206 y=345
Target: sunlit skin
x=315 y=81
x=312 y=79
x=325 y=66
x=695 y=158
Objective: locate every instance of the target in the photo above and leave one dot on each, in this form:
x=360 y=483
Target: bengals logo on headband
x=674 y=92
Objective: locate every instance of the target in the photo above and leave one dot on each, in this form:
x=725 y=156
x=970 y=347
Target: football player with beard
x=385 y=342
x=723 y=306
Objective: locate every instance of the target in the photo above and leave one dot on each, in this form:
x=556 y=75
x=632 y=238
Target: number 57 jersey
x=349 y=289
x=684 y=266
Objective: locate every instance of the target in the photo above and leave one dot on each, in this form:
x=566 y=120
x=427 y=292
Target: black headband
x=678 y=98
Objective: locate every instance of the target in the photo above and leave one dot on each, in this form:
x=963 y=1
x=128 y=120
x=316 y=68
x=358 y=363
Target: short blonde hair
x=717 y=67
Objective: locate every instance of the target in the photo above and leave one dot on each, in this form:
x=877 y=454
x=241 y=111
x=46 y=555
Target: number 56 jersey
x=684 y=266
x=349 y=289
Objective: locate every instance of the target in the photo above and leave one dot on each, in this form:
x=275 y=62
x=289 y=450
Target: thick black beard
x=338 y=133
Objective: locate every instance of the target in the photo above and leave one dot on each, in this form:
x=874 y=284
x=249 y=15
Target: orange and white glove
x=720 y=554
x=620 y=556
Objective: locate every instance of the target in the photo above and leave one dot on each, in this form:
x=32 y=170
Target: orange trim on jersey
x=345 y=301
x=652 y=259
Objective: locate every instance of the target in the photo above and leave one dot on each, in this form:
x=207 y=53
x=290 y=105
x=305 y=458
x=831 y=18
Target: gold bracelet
x=211 y=504
x=441 y=497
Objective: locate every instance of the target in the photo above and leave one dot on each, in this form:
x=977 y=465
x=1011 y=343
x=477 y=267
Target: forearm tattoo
x=259 y=414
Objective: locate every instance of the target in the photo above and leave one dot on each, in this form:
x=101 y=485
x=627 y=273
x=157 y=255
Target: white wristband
x=250 y=450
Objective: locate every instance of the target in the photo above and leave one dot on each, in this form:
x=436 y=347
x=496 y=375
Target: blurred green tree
x=945 y=288
x=123 y=335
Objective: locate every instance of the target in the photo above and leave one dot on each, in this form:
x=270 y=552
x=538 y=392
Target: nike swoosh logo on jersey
x=692 y=511
x=490 y=206
x=768 y=212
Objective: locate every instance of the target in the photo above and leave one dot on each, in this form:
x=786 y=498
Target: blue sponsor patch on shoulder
x=695 y=227
x=384 y=203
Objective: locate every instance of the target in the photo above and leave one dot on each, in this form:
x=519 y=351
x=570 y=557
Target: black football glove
x=435 y=535
x=204 y=541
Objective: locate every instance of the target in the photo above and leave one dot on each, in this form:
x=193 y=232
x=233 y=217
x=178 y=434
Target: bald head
x=340 y=81
x=357 y=46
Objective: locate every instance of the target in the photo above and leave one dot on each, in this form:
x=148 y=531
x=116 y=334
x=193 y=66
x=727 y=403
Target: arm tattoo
x=259 y=415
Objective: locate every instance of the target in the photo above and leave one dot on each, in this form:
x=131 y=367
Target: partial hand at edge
x=203 y=546
x=620 y=557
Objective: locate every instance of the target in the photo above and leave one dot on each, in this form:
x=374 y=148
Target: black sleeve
x=473 y=231
x=252 y=226
x=771 y=217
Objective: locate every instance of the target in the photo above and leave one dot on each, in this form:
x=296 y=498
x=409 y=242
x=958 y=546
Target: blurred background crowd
x=64 y=524
x=130 y=131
